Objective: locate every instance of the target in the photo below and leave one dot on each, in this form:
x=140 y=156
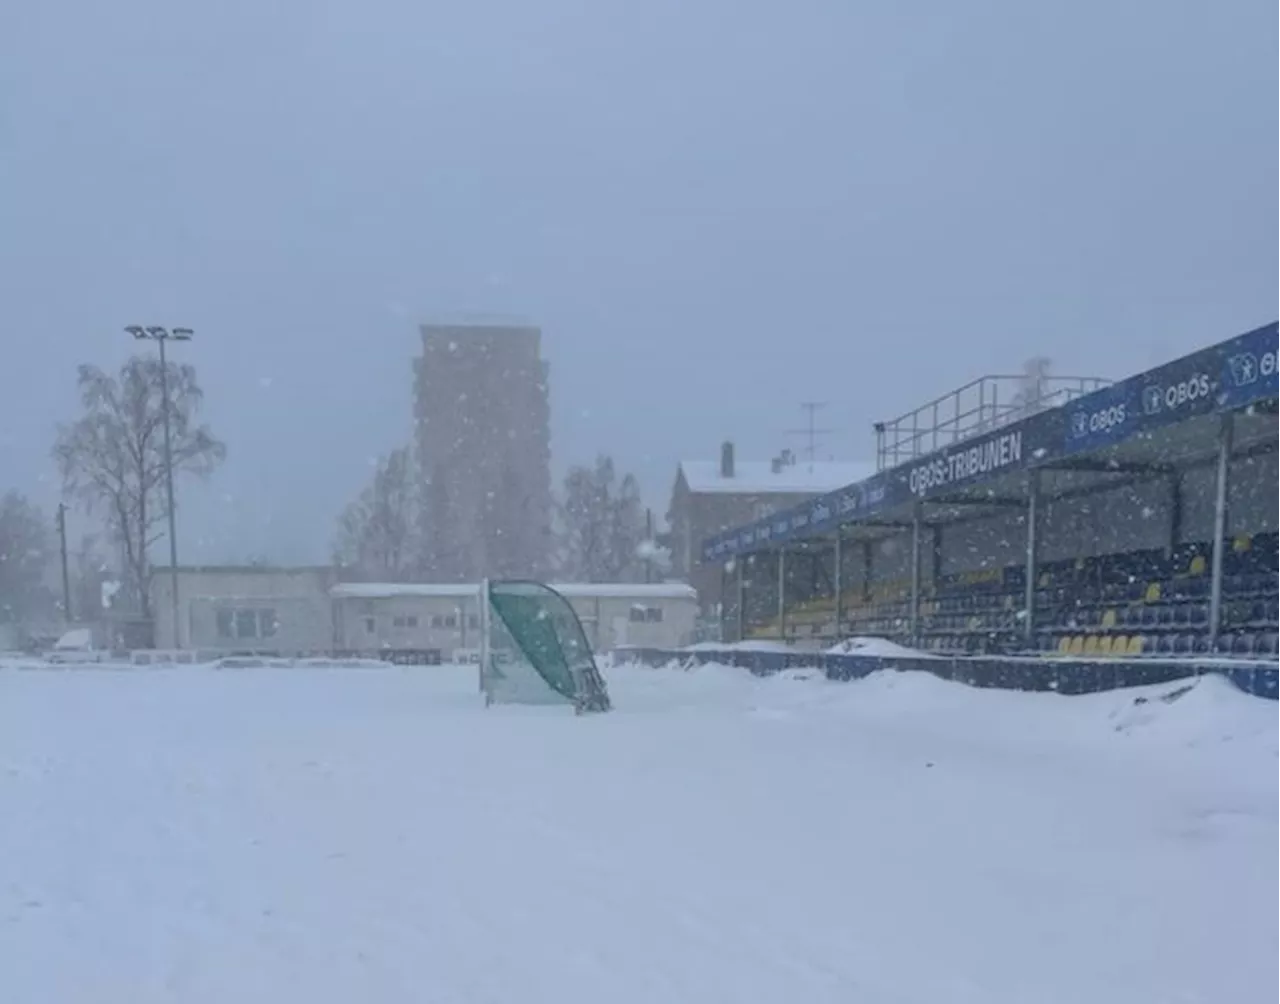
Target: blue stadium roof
x=1231 y=375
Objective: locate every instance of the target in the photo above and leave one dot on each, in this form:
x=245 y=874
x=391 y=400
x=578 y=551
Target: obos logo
x=1245 y=368
x=1103 y=420
x=1156 y=398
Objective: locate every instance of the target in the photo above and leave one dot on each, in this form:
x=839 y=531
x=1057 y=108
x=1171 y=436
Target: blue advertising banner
x=1161 y=397
x=1231 y=375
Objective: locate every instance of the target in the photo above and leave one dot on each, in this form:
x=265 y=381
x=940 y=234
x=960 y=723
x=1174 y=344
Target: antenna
x=811 y=432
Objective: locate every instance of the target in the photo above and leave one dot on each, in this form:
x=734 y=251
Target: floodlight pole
x=161 y=335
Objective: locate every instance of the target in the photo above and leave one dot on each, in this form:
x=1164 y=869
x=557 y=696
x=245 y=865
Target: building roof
x=757 y=477
x=570 y=590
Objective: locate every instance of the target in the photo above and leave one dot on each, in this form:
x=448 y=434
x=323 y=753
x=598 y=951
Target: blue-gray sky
x=714 y=210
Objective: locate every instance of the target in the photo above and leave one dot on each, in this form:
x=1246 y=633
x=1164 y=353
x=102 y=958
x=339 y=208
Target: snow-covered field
x=374 y=835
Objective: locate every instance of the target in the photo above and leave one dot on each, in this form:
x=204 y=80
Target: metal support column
x=1175 y=512
x=740 y=563
x=782 y=593
x=1033 y=546
x=1225 y=435
x=867 y=551
x=837 y=580
x=915 y=575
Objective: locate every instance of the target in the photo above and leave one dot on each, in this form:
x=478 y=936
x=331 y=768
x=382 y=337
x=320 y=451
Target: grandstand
x=1132 y=519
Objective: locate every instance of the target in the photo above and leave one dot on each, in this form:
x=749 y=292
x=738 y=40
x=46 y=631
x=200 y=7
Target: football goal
x=533 y=649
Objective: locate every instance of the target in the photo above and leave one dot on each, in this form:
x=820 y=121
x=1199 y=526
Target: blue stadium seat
x=1242 y=645
x=1266 y=643
x=1164 y=644
x=1182 y=644
x=1201 y=645
x=1199 y=613
x=1182 y=614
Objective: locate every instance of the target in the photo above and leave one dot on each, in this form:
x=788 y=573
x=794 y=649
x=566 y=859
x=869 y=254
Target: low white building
x=290 y=611
x=238 y=608
x=372 y=617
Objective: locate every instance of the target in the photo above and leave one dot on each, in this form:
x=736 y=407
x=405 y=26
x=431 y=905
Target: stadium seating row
x=1142 y=602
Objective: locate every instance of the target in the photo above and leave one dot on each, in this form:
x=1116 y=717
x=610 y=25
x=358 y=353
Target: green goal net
x=534 y=650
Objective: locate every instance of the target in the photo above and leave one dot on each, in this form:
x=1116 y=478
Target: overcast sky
x=714 y=209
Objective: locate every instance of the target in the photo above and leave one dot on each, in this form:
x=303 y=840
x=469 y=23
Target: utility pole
x=811 y=432
x=162 y=335
x=62 y=547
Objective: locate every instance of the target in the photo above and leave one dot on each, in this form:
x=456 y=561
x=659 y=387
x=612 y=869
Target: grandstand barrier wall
x=1063 y=676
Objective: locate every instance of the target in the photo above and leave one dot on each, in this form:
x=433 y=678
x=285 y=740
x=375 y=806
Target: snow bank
x=739 y=646
x=881 y=647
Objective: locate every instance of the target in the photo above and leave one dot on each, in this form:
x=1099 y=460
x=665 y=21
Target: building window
x=267 y=623
x=473 y=621
x=246 y=623
x=369 y=626
x=397 y=622
x=646 y=615
x=411 y=621
x=451 y=620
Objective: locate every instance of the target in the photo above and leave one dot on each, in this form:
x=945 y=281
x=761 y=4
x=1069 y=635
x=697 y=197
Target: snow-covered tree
x=1033 y=390
x=112 y=458
x=377 y=536
x=601 y=524
x=25 y=553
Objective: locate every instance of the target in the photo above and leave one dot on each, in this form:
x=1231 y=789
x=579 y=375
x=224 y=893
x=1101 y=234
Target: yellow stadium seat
x=1064 y=644
x=1091 y=645
x=1077 y=644
x=1153 y=592
x=1104 y=645
x=1135 y=645
x=1242 y=542
x=1198 y=565
x=1120 y=644
x=1109 y=619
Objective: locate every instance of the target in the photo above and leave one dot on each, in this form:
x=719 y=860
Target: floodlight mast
x=160 y=335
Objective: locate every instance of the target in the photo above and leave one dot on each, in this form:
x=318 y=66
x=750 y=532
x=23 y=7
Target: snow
x=569 y=590
x=757 y=477
x=759 y=645
x=373 y=834
x=77 y=639
x=881 y=647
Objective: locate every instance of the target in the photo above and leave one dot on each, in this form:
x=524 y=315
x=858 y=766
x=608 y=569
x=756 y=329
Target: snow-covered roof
x=757 y=477
x=570 y=590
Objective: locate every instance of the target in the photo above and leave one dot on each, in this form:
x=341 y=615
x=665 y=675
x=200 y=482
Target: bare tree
x=601 y=525
x=377 y=533
x=112 y=457
x=25 y=552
